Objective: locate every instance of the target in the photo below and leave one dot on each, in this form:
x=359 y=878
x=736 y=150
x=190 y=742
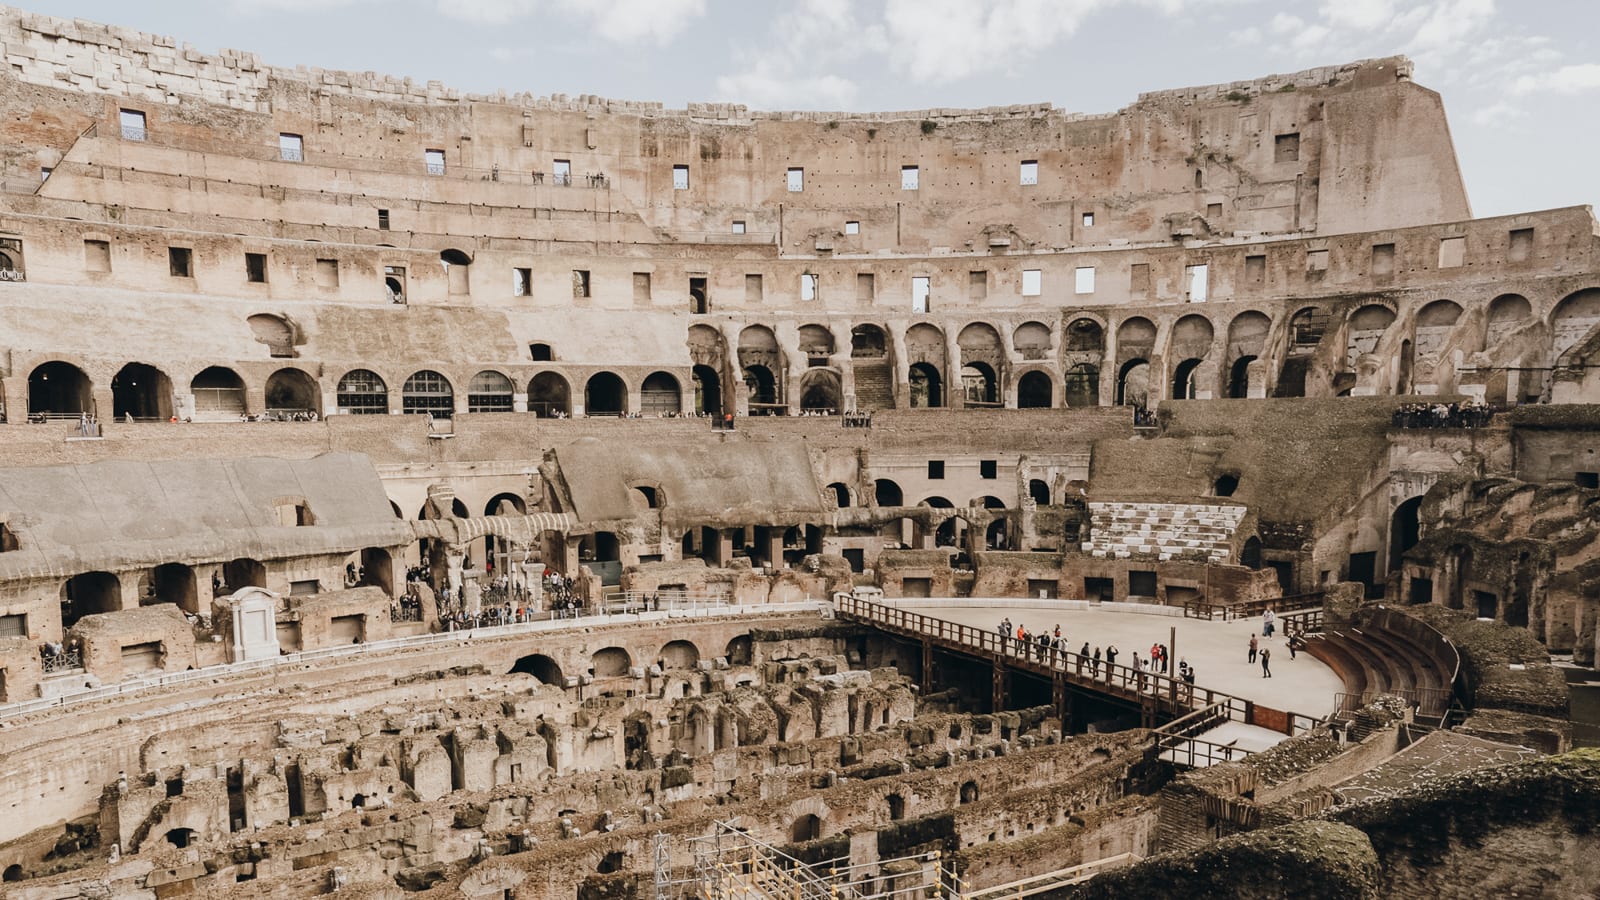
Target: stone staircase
x=874 y=384
x=1162 y=530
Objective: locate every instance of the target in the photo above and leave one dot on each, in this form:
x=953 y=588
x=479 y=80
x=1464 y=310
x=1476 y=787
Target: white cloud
x=765 y=90
x=1362 y=15
x=1574 y=79
x=810 y=38
x=621 y=21
x=1497 y=114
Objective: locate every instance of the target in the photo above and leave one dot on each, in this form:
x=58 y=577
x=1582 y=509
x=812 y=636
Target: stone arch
x=428 y=393
x=1434 y=324
x=543 y=668
x=1136 y=338
x=376 y=568
x=926 y=389
x=679 y=654
x=1367 y=326
x=218 y=393
x=839 y=492
x=88 y=594
x=605 y=394
x=279 y=333
x=761 y=389
x=758 y=345
x=820 y=392
x=925 y=344
x=1192 y=335
x=1404 y=530
x=968 y=793
x=660 y=395
x=805 y=828
x=868 y=341
x=1035 y=390
x=457 y=267
x=1239 y=378
x=1572 y=319
x=1507 y=313
x=549 y=395
x=980 y=384
x=362 y=392
x=1085 y=335
x=59 y=388
x=1032 y=340
x=983 y=364
x=740 y=650
x=173 y=583
x=610 y=662
x=707 y=391
x=142 y=391
x=1183 y=379
x=1039 y=491
x=816 y=342
x=244 y=572
x=293 y=391
x=888 y=493
x=1247 y=334
x=1081 y=387
x=1133 y=383
x=490 y=391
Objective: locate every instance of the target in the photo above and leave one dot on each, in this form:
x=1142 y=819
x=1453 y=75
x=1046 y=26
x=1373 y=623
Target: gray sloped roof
x=735 y=482
x=119 y=514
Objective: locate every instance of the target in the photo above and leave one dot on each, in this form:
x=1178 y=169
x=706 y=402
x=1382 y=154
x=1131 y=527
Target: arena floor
x=1217 y=650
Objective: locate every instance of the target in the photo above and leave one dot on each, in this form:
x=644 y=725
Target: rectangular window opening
x=561 y=173
x=1452 y=252
x=1084 y=283
x=680 y=178
x=383 y=220
x=1088 y=220
x=738 y=226
x=1286 y=147
x=580 y=282
x=752 y=288
x=1383 y=259
x=327 y=273
x=521 y=282
x=1032 y=282
x=978 y=284
x=180 y=262
x=797 y=180
x=641 y=286
x=852 y=228
x=1030 y=171
x=434 y=159
x=921 y=288
x=1255 y=270
x=988 y=468
x=1316 y=260
x=866 y=287
x=935 y=469
x=394 y=283
x=808 y=286
x=699 y=295
x=1197 y=279
x=97 y=256
x=255 y=268
x=909 y=178
x=132 y=121
x=1521 y=249
x=291 y=148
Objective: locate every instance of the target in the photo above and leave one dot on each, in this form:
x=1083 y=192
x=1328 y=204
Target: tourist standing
x=1266 y=662
x=1253 y=647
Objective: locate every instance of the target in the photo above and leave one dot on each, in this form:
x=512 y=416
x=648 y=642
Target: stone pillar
x=1108 y=369
x=774 y=546
x=1341 y=601
x=519 y=402
x=953 y=396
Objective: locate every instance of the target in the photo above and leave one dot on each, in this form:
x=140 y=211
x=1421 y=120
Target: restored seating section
x=1162 y=530
x=1384 y=652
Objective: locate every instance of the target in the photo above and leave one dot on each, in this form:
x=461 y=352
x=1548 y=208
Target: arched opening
x=707 y=391
x=660 y=395
x=59 y=389
x=951 y=532
x=141 y=391
x=1250 y=553
x=679 y=655
x=89 y=594
x=820 y=393
x=1085 y=336
x=540 y=352
x=1032 y=340
x=897 y=807
x=218 y=395
x=1133 y=384
x=1082 y=386
x=761 y=390
x=613 y=861
x=243 y=572
x=173 y=583
x=978 y=386
x=13 y=873
x=362 y=392
x=457 y=265
x=549 y=395
x=376 y=570
x=180 y=837
x=740 y=650
x=816 y=343
x=888 y=493
x=490 y=391
x=359 y=801
x=806 y=828
x=427 y=393
x=841 y=495
x=1572 y=320
x=1034 y=391
x=1367 y=326
x=994 y=537
x=1239 y=378
x=1226 y=484
x=969 y=792
x=868 y=342
x=1507 y=313
x=541 y=667
x=610 y=662
x=646 y=497
x=1039 y=491
x=605 y=395
x=292 y=391
x=1183 y=380
x=926 y=390
x=1404 y=531
x=276 y=332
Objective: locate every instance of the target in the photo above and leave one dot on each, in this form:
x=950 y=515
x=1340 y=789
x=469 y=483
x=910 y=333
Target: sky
x=1520 y=78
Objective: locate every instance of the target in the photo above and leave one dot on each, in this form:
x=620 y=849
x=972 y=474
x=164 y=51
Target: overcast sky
x=1520 y=78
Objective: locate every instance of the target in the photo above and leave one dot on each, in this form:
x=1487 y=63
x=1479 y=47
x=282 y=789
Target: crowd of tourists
x=1460 y=414
x=1053 y=646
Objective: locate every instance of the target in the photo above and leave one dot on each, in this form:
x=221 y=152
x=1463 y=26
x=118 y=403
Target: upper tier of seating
x=1162 y=530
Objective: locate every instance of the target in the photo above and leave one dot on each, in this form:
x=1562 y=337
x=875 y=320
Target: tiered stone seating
x=1161 y=530
x=1374 y=661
